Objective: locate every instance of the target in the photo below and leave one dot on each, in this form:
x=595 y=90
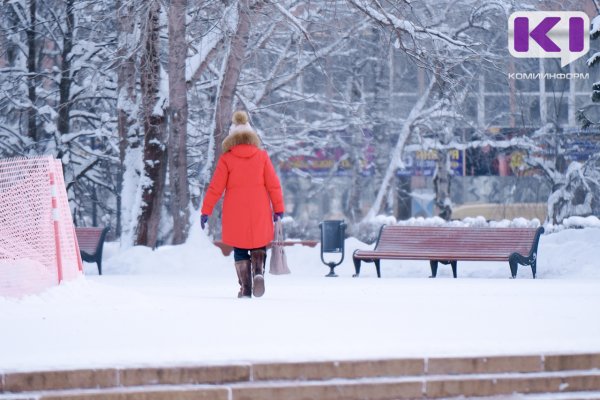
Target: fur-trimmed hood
x=241 y=137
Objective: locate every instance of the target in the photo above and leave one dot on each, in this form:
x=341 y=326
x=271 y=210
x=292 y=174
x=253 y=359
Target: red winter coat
x=252 y=192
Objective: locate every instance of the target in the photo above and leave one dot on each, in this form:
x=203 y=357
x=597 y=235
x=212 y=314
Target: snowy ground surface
x=178 y=306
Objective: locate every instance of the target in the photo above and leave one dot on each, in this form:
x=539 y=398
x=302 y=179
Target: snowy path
x=136 y=314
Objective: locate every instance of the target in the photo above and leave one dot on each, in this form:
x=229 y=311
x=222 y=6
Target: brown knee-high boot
x=244 y=274
x=258 y=271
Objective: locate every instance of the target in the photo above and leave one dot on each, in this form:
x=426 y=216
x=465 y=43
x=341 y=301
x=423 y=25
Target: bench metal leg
x=515 y=259
x=434 y=265
x=99 y=262
x=356 y=267
x=514 y=265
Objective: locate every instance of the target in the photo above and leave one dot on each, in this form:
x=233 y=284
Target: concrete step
x=163 y=392
x=17 y=382
x=424 y=387
x=434 y=378
x=536 y=396
x=385 y=388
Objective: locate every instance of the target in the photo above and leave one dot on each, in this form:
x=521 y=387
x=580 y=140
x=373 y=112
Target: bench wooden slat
x=516 y=245
x=434 y=256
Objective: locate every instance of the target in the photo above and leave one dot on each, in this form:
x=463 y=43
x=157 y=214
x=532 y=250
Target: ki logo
x=545 y=34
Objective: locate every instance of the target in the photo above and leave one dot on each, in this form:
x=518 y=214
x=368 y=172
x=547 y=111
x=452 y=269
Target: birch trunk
x=178 y=116
x=65 y=79
x=154 y=156
x=126 y=111
x=352 y=205
x=31 y=69
x=441 y=184
x=397 y=151
x=381 y=115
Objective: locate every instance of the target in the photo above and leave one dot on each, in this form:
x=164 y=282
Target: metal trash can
x=332 y=241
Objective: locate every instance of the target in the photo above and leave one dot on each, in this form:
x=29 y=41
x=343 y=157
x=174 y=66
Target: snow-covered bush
x=579 y=194
x=367 y=230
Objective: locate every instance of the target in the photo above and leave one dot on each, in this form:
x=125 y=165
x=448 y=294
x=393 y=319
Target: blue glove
x=277 y=216
x=203 y=220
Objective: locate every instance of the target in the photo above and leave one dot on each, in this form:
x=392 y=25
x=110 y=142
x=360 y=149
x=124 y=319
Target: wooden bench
x=448 y=245
x=91 y=243
x=227 y=249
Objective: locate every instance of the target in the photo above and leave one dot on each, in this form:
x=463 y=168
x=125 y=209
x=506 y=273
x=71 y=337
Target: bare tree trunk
x=381 y=115
x=66 y=78
x=178 y=116
x=441 y=183
x=352 y=205
x=153 y=179
x=126 y=99
x=233 y=66
x=398 y=149
x=231 y=73
x=31 y=69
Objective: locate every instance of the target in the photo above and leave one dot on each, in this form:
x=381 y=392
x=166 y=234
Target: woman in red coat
x=253 y=200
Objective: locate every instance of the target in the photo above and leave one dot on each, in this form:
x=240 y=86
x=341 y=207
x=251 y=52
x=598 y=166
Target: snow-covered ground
x=178 y=305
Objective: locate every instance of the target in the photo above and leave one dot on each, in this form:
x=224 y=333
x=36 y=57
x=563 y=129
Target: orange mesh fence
x=35 y=251
x=71 y=258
